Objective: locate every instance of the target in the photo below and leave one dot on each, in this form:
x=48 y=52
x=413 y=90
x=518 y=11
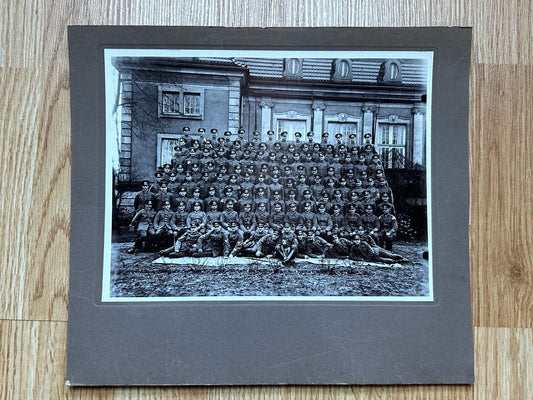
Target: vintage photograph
x=267 y=175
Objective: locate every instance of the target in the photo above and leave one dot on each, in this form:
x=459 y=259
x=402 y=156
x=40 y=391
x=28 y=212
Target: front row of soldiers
x=231 y=234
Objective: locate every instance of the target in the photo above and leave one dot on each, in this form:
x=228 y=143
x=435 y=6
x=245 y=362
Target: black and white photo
x=267 y=175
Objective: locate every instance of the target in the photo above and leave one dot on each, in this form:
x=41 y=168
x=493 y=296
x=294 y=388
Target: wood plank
x=501 y=165
x=32 y=365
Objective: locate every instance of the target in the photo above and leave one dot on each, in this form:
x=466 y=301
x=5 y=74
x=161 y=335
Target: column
x=368 y=121
x=266 y=105
x=419 y=137
x=234 y=111
x=125 y=129
x=318 y=119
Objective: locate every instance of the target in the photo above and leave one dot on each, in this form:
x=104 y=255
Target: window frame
x=181 y=91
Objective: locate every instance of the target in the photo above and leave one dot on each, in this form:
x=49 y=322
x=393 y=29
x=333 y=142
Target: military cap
x=284 y=133
x=158 y=174
x=241 y=131
x=227 y=133
x=186 y=129
x=270 y=132
x=298 y=134
x=338 y=135
x=145 y=182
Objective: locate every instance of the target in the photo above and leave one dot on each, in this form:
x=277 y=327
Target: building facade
x=159 y=97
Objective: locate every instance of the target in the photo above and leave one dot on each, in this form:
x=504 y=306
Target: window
x=181 y=102
x=391 y=145
x=346 y=128
x=291 y=126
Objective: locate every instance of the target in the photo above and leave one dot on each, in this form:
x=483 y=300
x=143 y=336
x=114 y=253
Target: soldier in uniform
x=178 y=222
x=247 y=220
x=143 y=196
x=323 y=221
x=235 y=239
x=370 y=222
x=196 y=217
x=229 y=215
x=158 y=179
x=213 y=214
x=186 y=245
x=340 y=248
x=249 y=244
x=214 y=242
x=143 y=222
x=261 y=214
x=162 y=219
x=163 y=196
x=277 y=216
x=388 y=227
x=363 y=251
x=266 y=246
x=316 y=245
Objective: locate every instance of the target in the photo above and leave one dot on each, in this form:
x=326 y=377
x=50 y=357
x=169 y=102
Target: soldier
x=196 y=217
x=143 y=196
x=178 y=222
x=235 y=239
x=158 y=178
x=352 y=219
x=388 y=227
x=277 y=216
x=246 y=198
x=229 y=215
x=286 y=251
x=214 y=242
x=143 y=222
x=323 y=221
x=325 y=139
x=382 y=201
x=261 y=184
x=195 y=198
x=316 y=245
x=308 y=217
x=338 y=138
x=247 y=220
x=337 y=220
x=363 y=251
x=266 y=246
x=293 y=217
x=162 y=219
x=163 y=196
x=167 y=169
x=341 y=247
x=173 y=184
x=220 y=184
x=261 y=214
x=249 y=246
x=370 y=222
x=186 y=245
x=213 y=214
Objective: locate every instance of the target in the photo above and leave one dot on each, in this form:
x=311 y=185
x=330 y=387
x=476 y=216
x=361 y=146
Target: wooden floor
x=35 y=183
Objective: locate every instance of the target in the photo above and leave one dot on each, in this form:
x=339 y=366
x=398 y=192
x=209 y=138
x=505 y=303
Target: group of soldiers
x=278 y=198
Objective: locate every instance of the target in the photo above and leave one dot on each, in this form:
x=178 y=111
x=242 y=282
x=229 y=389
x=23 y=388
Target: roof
x=319 y=69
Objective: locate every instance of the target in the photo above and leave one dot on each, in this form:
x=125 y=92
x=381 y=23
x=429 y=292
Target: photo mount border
x=373 y=342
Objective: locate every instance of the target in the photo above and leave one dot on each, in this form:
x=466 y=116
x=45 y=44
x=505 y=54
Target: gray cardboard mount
x=242 y=343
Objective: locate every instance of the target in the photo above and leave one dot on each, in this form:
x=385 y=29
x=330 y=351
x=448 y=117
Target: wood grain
x=35 y=183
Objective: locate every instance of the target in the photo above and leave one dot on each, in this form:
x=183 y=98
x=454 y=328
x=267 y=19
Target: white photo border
x=111 y=83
